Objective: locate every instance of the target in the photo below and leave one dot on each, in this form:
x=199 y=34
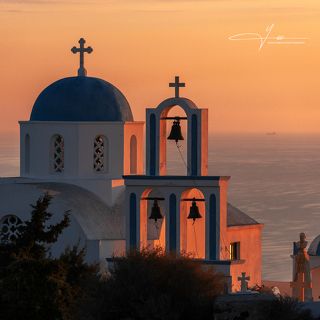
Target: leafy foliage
x=153 y=285
x=284 y=308
x=32 y=284
x=34 y=236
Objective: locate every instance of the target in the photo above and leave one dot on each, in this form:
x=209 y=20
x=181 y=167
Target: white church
x=83 y=146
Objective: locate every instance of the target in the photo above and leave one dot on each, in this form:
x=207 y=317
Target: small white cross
x=177 y=85
x=82 y=72
x=244 y=284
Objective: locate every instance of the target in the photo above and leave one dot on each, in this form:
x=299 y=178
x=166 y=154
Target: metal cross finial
x=82 y=72
x=177 y=85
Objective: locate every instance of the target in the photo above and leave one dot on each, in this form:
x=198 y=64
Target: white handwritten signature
x=267 y=39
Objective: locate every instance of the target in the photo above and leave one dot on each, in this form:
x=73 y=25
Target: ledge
x=169 y=177
x=202 y=261
x=219 y=262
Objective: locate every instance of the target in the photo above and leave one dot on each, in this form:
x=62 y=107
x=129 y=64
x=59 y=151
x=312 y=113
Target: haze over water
x=274 y=179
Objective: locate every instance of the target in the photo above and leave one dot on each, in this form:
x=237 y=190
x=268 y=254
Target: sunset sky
x=140 y=46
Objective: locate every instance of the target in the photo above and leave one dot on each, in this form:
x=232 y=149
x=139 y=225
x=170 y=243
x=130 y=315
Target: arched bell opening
x=152 y=220
x=192 y=223
x=173 y=141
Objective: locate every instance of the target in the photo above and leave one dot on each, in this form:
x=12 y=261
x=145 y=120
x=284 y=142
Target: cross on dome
x=82 y=72
x=177 y=85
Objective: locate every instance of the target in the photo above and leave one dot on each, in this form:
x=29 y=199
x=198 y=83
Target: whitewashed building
x=82 y=145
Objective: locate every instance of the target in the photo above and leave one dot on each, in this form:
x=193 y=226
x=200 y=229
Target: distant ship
x=271 y=133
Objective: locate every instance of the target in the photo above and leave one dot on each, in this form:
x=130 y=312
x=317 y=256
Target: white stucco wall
x=78 y=147
x=79 y=153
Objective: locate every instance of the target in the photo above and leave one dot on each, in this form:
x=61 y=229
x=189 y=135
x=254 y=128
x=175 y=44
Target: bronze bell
x=175 y=133
x=194 y=212
x=155 y=211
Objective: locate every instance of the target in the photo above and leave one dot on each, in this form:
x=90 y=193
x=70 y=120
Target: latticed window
x=58 y=153
x=10 y=228
x=99 y=154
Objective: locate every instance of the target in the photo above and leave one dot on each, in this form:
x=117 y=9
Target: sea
x=275 y=178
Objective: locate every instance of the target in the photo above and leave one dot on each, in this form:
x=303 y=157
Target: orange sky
x=140 y=45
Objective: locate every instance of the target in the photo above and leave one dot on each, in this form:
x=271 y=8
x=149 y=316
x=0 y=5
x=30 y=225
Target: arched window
x=100 y=163
x=10 y=228
x=58 y=153
x=27 y=154
x=133 y=155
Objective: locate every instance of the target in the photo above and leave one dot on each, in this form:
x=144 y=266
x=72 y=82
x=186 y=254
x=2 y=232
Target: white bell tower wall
x=197 y=153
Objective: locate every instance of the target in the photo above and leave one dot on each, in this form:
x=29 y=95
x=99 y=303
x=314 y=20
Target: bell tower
x=197 y=134
x=182 y=206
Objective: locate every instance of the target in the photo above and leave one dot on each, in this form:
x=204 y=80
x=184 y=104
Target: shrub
x=153 y=285
x=284 y=308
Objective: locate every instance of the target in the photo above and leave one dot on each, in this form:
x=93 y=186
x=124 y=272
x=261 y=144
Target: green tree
x=32 y=284
x=34 y=235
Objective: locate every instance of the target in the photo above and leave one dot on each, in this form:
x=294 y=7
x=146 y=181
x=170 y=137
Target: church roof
x=236 y=217
x=81 y=99
x=96 y=219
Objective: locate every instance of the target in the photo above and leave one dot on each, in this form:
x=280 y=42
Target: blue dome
x=314 y=248
x=81 y=99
